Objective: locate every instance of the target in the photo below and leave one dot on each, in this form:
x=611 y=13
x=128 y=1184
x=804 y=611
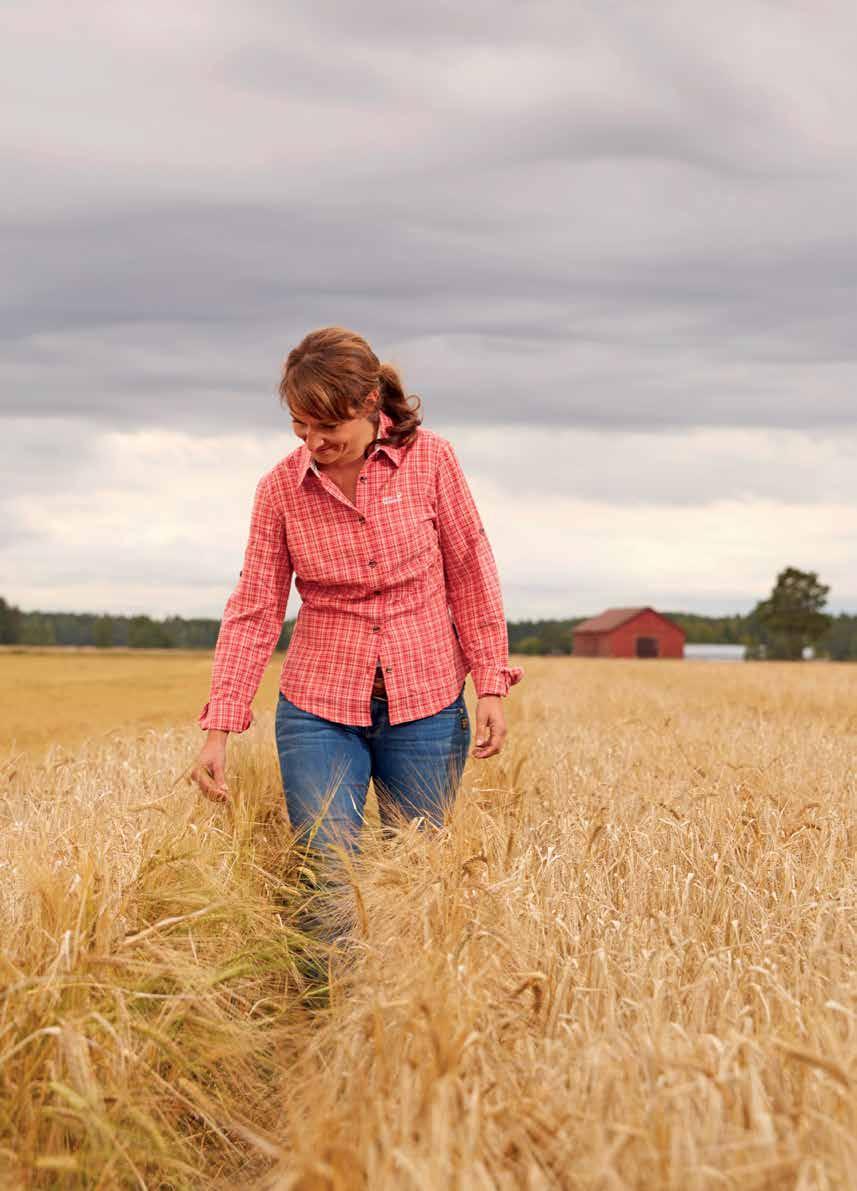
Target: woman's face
x=334 y=442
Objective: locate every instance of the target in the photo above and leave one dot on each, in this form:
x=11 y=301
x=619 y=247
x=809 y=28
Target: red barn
x=629 y=633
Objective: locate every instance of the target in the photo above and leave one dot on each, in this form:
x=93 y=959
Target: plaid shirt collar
x=306 y=462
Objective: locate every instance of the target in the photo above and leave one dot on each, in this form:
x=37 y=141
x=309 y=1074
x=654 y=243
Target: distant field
x=64 y=696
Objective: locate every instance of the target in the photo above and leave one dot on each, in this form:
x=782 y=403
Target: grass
x=627 y=962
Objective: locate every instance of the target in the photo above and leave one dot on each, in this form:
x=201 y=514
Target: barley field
x=627 y=961
x=64 y=695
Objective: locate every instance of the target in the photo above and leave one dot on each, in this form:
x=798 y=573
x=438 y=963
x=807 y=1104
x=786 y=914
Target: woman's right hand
x=209 y=771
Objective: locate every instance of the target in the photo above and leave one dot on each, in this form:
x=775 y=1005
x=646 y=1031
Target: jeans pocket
x=460 y=708
x=455 y=713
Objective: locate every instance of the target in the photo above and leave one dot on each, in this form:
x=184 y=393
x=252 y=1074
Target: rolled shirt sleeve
x=472 y=581
x=252 y=619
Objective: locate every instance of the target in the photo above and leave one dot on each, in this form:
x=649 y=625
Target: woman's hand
x=209 y=772
x=490 y=726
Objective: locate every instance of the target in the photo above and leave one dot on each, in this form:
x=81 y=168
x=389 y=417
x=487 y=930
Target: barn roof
x=611 y=619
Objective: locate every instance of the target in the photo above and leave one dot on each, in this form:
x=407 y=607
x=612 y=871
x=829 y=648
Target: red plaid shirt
x=386 y=581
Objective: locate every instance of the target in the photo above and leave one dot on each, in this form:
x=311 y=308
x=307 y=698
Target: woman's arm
x=472 y=582
x=252 y=619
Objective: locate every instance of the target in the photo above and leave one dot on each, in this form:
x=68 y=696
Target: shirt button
x=377 y=591
x=376 y=628
x=372 y=562
x=388 y=669
x=362 y=479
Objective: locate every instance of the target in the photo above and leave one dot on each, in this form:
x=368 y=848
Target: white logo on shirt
x=390 y=500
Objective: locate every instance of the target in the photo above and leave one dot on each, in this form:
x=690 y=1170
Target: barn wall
x=586 y=645
x=623 y=640
x=591 y=645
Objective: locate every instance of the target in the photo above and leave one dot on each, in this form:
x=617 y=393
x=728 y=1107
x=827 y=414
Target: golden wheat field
x=627 y=961
x=63 y=696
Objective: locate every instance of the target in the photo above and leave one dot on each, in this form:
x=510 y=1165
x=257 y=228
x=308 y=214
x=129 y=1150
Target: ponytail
x=401 y=408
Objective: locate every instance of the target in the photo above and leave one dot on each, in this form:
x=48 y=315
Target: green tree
x=840 y=640
x=530 y=645
x=10 y=623
x=792 y=616
x=102 y=632
x=145 y=633
x=38 y=629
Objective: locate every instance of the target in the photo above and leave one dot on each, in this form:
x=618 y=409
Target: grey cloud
x=133 y=526
x=123 y=565
x=289 y=70
x=187 y=314
x=580 y=215
x=12 y=536
x=628 y=227
x=587 y=597
x=48 y=453
x=673 y=469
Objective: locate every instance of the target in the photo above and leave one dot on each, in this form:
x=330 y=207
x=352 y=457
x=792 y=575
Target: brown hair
x=332 y=371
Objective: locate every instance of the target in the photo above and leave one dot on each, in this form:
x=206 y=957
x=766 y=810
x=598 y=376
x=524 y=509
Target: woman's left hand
x=490 y=726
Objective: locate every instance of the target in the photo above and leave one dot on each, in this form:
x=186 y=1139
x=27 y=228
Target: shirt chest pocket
x=407 y=526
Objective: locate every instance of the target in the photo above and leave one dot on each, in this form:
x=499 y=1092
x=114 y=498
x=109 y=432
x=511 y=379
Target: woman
x=400 y=596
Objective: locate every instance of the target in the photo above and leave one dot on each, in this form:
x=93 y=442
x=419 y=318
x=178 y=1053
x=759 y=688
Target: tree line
x=778 y=627
x=105 y=631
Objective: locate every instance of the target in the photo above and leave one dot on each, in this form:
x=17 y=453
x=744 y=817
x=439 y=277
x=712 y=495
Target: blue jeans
x=416 y=768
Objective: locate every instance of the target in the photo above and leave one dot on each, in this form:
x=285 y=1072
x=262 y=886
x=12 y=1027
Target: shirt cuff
x=225 y=715
x=495 y=680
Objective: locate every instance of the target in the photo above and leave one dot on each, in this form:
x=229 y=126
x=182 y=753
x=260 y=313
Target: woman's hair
x=332 y=371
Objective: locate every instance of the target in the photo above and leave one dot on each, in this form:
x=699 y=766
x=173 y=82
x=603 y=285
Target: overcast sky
x=612 y=246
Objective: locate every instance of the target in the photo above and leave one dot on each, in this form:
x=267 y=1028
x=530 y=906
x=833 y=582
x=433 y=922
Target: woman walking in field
x=401 y=600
